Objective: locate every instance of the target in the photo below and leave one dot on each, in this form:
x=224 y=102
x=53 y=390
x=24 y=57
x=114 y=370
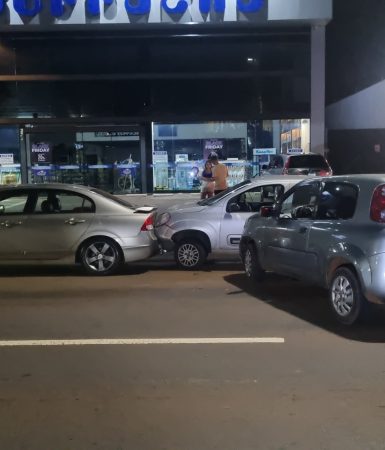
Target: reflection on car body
x=72 y=224
x=215 y=225
x=326 y=231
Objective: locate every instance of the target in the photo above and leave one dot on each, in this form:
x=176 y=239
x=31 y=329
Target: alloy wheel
x=188 y=255
x=248 y=263
x=100 y=256
x=342 y=296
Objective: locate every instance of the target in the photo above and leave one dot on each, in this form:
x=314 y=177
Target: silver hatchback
x=68 y=224
x=214 y=226
x=329 y=232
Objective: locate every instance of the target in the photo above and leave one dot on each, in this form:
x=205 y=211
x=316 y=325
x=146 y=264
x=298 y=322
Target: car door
x=287 y=235
x=13 y=224
x=59 y=220
x=332 y=226
x=240 y=207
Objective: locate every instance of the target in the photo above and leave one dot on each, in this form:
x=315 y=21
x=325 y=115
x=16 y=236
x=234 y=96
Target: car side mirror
x=234 y=207
x=2 y=209
x=267 y=211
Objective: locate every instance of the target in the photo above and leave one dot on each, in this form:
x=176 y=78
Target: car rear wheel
x=346 y=299
x=100 y=256
x=251 y=263
x=190 y=254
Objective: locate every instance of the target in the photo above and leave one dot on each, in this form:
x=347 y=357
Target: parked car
x=301 y=164
x=68 y=224
x=215 y=225
x=329 y=232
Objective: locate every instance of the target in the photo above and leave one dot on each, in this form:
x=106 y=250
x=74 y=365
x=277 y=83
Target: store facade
x=131 y=97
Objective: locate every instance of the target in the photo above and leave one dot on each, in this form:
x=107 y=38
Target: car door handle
x=73 y=221
x=8 y=224
x=302 y=230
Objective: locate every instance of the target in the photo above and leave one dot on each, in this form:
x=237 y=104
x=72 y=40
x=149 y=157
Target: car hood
x=186 y=207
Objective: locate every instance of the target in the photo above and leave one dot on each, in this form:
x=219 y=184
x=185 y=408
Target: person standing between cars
x=220 y=174
x=207 y=182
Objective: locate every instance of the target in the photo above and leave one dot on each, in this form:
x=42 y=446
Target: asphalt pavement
x=82 y=367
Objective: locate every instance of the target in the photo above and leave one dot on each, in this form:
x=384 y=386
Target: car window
x=114 y=198
x=254 y=198
x=13 y=202
x=229 y=190
x=337 y=201
x=51 y=202
x=308 y=161
x=301 y=201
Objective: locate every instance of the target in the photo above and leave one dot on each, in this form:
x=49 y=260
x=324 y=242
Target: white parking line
x=60 y=342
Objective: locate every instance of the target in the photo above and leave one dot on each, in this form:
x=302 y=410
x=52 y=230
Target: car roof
x=268 y=179
x=46 y=186
x=353 y=178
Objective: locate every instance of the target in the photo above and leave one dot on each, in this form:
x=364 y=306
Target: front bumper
x=144 y=247
x=163 y=234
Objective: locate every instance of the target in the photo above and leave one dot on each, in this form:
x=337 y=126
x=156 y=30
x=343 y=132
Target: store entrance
x=107 y=158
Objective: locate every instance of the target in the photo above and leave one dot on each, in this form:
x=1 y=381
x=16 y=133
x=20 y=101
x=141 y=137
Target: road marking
x=60 y=342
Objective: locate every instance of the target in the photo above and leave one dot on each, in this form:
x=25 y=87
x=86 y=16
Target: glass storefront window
x=180 y=151
x=247 y=148
x=10 y=171
x=109 y=160
x=295 y=134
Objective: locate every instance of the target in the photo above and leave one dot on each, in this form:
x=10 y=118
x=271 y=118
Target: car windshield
x=308 y=161
x=114 y=198
x=229 y=190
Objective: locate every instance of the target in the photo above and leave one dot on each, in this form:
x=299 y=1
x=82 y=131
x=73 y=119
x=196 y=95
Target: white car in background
x=312 y=164
x=215 y=225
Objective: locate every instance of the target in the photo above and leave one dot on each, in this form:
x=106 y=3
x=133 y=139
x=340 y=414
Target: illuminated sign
x=75 y=12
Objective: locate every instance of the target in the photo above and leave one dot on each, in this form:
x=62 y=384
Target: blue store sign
x=75 y=12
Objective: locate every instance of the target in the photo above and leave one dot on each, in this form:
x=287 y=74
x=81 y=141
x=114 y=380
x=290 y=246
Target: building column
x=317 y=124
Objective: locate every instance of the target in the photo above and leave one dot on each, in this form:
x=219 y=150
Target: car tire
x=190 y=254
x=347 y=302
x=100 y=256
x=251 y=263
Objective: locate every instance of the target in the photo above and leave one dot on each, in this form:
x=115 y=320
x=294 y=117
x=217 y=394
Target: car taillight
x=286 y=166
x=377 y=206
x=148 y=223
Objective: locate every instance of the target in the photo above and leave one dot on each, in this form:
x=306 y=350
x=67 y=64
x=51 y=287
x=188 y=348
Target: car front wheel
x=346 y=298
x=251 y=263
x=100 y=256
x=190 y=255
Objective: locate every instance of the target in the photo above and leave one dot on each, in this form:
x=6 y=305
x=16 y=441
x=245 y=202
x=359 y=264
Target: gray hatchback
x=326 y=231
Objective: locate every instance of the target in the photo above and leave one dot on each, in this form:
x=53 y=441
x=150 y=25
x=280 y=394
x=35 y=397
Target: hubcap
x=342 y=296
x=247 y=263
x=100 y=256
x=188 y=255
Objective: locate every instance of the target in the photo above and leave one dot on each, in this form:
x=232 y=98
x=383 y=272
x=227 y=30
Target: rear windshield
x=308 y=161
x=115 y=199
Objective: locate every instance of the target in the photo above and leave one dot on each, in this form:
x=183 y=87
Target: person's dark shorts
x=218 y=191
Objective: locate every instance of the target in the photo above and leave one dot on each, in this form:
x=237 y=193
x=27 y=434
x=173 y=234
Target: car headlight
x=162 y=219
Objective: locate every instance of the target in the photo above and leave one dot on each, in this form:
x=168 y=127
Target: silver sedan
x=68 y=224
